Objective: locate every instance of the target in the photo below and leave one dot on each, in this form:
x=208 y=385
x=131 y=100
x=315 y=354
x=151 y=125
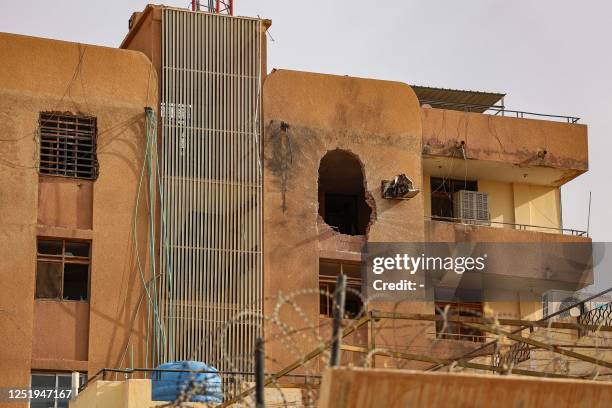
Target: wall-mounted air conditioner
x=471 y=207
x=556 y=300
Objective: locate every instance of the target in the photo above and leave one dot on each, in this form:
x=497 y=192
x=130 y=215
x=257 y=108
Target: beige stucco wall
x=347 y=388
x=509 y=141
x=115 y=86
x=379 y=122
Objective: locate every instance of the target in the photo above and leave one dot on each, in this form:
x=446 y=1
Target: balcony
x=515 y=149
x=518 y=268
x=492 y=226
x=498 y=110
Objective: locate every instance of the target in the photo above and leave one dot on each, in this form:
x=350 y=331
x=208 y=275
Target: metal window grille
x=68 y=145
x=353 y=305
x=211 y=190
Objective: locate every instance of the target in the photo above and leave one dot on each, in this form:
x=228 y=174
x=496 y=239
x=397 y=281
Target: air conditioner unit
x=471 y=207
x=555 y=300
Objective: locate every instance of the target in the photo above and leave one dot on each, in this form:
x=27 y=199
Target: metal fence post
x=259 y=373
x=339 y=298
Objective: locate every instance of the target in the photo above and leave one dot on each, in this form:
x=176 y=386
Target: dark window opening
x=68 y=145
x=62 y=269
x=59 y=383
x=455 y=330
x=328 y=272
x=342 y=200
x=442 y=196
x=75 y=281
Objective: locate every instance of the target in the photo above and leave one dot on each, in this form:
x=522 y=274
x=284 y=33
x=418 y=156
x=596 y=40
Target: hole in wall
x=344 y=203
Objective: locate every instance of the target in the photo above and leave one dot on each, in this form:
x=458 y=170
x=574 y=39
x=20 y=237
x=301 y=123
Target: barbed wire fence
x=451 y=340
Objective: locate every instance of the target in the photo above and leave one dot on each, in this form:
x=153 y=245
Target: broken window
x=342 y=196
x=442 y=196
x=68 y=145
x=454 y=330
x=328 y=273
x=62 y=269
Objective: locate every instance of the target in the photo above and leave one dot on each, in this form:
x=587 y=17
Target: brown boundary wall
x=363 y=388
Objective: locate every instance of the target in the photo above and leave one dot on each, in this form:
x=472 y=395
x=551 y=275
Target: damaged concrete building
x=137 y=236
x=329 y=143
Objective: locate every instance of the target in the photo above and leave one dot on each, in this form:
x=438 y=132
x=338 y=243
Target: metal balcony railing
x=499 y=110
x=232 y=382
x=522 y=227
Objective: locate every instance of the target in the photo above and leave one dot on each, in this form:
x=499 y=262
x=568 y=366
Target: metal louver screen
x=211 y=254
x=67 y=145
x=471 y=206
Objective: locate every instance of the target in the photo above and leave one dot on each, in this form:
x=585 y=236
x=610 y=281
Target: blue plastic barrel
x=167 y=386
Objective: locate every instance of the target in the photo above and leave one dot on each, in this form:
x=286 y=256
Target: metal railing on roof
x=522 y=227
x=497 y=110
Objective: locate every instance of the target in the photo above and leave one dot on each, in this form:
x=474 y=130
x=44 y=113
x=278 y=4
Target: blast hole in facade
x=342 y=194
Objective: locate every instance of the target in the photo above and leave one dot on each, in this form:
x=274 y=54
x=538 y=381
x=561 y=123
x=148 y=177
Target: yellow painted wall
x=514 y=203
x=537 y=205
x=501 y=201
x=507 y=309
x=518 y=309
x=530 y=310
x=136 y=393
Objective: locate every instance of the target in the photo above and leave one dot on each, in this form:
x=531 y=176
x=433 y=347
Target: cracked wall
x=555 y=152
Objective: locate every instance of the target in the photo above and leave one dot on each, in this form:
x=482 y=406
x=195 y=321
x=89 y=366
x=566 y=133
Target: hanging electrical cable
x=149 y=163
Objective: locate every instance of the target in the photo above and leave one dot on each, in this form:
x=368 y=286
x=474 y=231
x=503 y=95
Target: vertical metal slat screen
x=211 y=186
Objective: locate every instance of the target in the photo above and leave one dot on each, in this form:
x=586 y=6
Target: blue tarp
x=167 y=386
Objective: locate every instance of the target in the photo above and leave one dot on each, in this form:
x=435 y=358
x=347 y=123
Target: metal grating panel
x=68 y=145
x=457 y=99
x=211 y=255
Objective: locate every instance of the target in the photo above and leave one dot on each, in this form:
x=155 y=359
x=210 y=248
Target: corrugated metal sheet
x=455 y=98
x=210 y=259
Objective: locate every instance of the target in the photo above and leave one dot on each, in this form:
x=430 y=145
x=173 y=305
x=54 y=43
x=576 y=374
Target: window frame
x=63 y=260
x=455 y=330
x=443 y=188
x=57 y=375
x=327 y=284
x=65 y=141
